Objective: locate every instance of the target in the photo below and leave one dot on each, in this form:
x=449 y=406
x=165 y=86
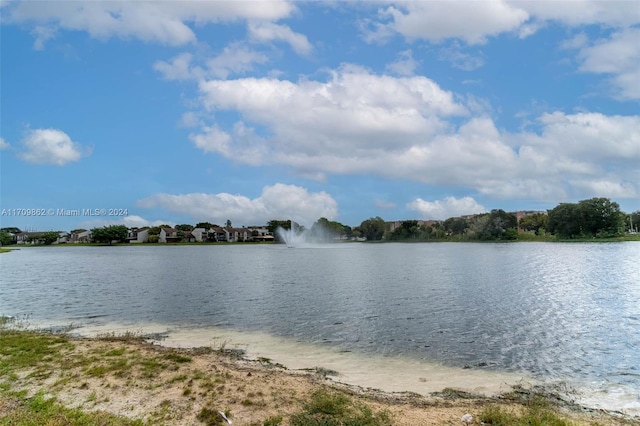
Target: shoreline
x=126 y=375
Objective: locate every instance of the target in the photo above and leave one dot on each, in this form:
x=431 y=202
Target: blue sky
x=181 y=112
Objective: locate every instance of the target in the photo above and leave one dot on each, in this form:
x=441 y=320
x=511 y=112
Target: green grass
x=334 y=408
x=539 y=414
x=39 y=411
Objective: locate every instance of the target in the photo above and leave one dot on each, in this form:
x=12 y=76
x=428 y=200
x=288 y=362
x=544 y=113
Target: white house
x=138 y=235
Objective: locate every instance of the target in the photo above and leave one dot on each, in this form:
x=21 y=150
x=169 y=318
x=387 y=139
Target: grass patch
x=533 y=415
x=39 y=410
x=334 y=408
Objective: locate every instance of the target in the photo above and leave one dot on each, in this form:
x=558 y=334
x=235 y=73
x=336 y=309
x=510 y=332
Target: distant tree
x=499 y=225
x=184 y=227
x=154 y=238
x=325 y=229
x=408 y=230
x=373 y=228
x=564 y=220
x=108 y=234
x=595 y=217
x=77 y=231
x=456 y=225
x=228 y=223
x=155 y=230
x=534 y=222
x=5 y=238
x=601 y=217
x=273 y=225
x=49 y=237
x=205 y=225
x=12 y=230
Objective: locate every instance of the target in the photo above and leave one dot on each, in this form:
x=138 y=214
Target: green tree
x=5 y=238
x=273 y=225
x=325 y=229
x=206 y=225
x=184 y=227
x=408 y=230
x=564 y=220
x=228 y=224
x=108 y=234
x=12 y=230
x=499 y=225
x=600 y=217
x=49 y=237
x=373 y=228
x=533 y=223
x=456 y=226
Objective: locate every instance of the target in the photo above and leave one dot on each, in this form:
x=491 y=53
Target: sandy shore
x=224 y=380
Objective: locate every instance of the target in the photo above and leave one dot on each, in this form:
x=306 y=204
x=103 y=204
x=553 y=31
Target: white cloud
x=474 y=21
x=277 y=201
x=471 y=21
x=235 y=59
x=164 y=22
x=619 y=57
x=4 y=144
x=409 y=128
x=268 y=31
x=460 y=59
x=446 y=208
x=179 y=68
x=405 y=65
x=616 y=13
x=51 y=146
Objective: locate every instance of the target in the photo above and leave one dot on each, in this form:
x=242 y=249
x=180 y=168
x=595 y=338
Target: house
x=235 y=235
x=138 y=235
x=80 y=236
x=169 y=235
x=200 y=234
x=63 y=238
x=220 y=234
x=260 y=233
x=27 y=237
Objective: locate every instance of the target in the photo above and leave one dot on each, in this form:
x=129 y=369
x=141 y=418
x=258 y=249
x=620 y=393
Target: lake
x=475 y=316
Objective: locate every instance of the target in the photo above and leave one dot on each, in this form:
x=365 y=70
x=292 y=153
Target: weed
x=331 y=408
x=178 y=358
x=272 y=421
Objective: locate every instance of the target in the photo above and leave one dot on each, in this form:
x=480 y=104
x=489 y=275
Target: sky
x=149 y=112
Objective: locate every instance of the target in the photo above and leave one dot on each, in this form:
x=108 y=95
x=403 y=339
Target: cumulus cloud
x=277 y=201
x=461 y=59
x=268 y=31
x=405 y=65
x=446 y=208
x=475 y=21
x=471 y=21
x=236 y=58
x=163 y=22
x=409 y=128
x=617 y=56
x=51 y=146
x=4 y=144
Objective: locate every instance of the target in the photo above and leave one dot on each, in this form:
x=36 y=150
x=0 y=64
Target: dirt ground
x=249 y=391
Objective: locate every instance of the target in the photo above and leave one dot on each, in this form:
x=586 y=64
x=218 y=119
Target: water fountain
x=290 y=237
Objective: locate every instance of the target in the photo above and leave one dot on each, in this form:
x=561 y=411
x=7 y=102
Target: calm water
x=561 y=312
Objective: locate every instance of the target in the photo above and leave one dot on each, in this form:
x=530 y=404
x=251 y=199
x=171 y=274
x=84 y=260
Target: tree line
x=592 y=218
